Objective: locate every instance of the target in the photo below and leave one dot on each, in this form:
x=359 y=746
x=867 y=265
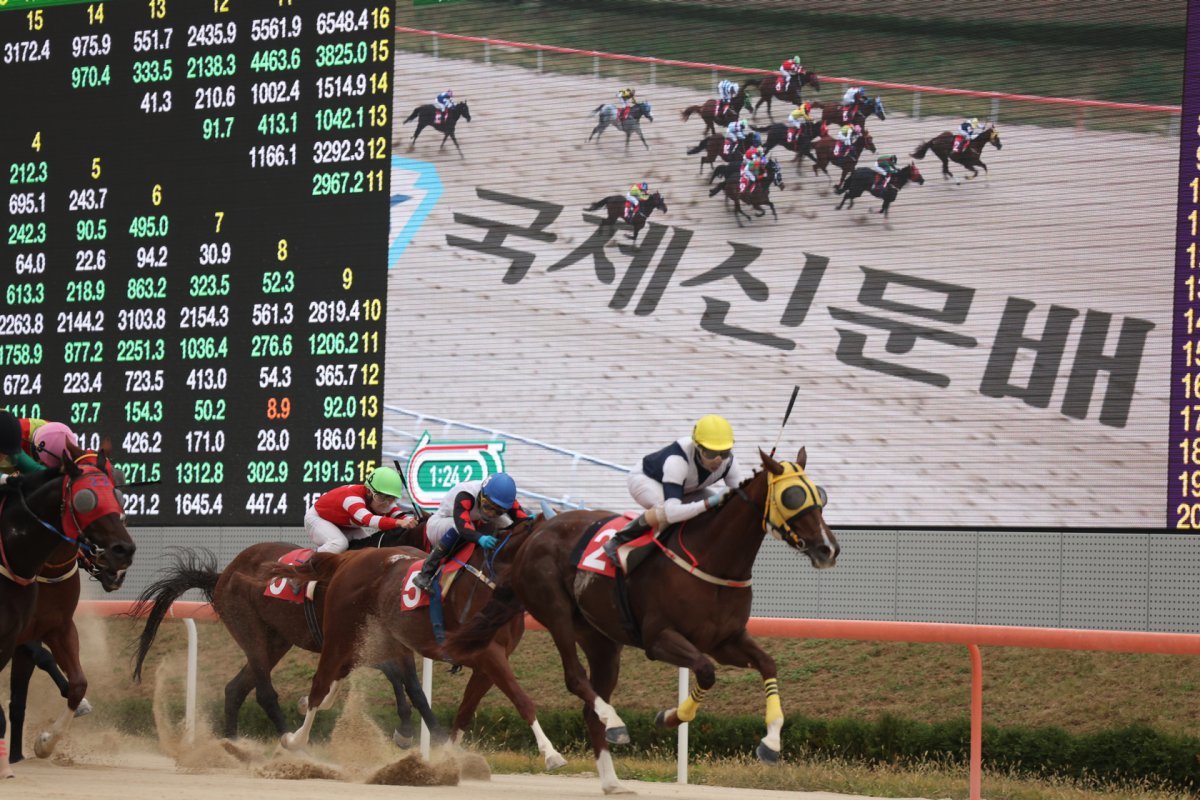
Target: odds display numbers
x=1183 y=488
x=195 y=252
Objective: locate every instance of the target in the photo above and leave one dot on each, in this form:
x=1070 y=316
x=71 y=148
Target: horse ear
x=69 y=466
x=771 y=465
x=802 y=458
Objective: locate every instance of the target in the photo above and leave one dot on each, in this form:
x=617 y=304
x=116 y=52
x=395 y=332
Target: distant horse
x=943 y=144
x=847 y=160
x=614 y=206
x=53 y=623
x=714 y=147
x=835 y=116
x=798 y=140
x=266 y=628
x=768 y=88
x=631 y=124
x=427 y=116
x=377 y=585
x=713 y=120
x=758 y=195
x=78 y=507
x=691 y=602
x=864 y=180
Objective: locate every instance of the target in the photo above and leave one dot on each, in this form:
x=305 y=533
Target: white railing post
x=435 y=46
x=487 y=53
x=681 y=751
x=596 y=67
x=427 y=687
x=714 y=81
x=995 y=109
x=189 y=714
x=539 y=61
x=1173 y=124
x=916 y=112
x=653 y=73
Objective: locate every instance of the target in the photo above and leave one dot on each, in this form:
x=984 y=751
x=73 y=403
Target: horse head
x=810 y=77
x=913 y=174
x=463 y=110
x=794 y=510
x=93 y=515
x=642 y=109
x=875 y=106
x=656 y=201
x=994 y=137
x=868 y=142
x=775 y=173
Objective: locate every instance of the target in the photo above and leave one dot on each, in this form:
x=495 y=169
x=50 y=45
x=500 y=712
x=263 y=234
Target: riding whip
x=412 y=501
x=786 y=414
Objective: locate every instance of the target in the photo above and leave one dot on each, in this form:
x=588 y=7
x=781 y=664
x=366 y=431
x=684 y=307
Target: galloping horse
x=863 y=180
x=266 y=628
x=679 y=608
x=847 y=160
x=836 y=116
x=713 y=148
x=631 y=124
x=614 y=206
x=969 y=156
x=83 y=501
x=713 y=120
x=798 y=140
x=427 y=116
x=767 y=89
x=758 y=196
x=378 y=585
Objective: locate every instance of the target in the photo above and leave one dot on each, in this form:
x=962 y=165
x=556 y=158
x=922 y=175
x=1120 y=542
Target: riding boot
x=633 y=529
x=424 y=579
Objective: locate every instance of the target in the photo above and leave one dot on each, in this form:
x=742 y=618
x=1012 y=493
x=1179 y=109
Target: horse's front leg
x=642 y=136
x=771 y=206
x=412 y=143
x=454 y=139
x=64 y=645
x=670 y=646
x=743 y=651
x=946 y=167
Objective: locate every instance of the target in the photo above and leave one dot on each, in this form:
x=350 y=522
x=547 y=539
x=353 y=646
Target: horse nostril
x=123 y=551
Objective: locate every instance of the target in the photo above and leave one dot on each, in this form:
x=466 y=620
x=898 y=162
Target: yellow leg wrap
x=774 y=707
x=688 y=708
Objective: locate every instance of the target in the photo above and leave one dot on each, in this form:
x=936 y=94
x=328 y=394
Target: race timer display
x=195 y=243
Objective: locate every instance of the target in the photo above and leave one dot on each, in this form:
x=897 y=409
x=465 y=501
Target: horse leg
x=604 y=658
x=394 y=673
x=5 y=767
x=946 y=167
x=454 y=139
x=263 y=651
x=64 y=644
x=494 y=662
x=236 y=692
x=556 y=615
x=771 y=206
x=670 y=646
x=412 y=143
x=337 y=659
x=412 y=686
x=22 y=672
x=642 y=136
x=743 y=651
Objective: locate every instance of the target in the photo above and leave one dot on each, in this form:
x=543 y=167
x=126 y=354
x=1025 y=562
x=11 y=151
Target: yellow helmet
x=713 y=433
x=974 y=122
x=796 y=113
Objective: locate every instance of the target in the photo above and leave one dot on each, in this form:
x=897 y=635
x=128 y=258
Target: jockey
x=347 y=512
x=855 y=94
x=671 y=482
x=848 y=135
x=966 y=133
x=444 y=101
x=490 y=503
x=628 y=97
x=736 y=130
x=50 y=442
x=726 y=91
x=637 y=193
x=798 y=119
x=16 y=446
x=788 y=69
x=753 y=166
x=886 y=167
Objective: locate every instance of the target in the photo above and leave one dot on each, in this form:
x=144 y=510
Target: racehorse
x=53 y=623
x=969 y=156
x=427 y=116
x=758 y=194
x=681 y=608
x=378 y=584
x=865 y=180
x=631 y=124
x=847 y=160
x=798 y=140
x=713 y=120
x=713 y=148
x=77 y=506
x=266 y=628
x=767 y=89
x=834 y=116
x=614 y=206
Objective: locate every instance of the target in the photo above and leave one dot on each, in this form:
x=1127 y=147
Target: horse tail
x=480 y=631
x=720 y=187
x=597 y=205
x=416 y=111
x=687 y=112
x=191 y=570
x=698 y=148
x=596 y=110
x=921 y=150
x=841 y=189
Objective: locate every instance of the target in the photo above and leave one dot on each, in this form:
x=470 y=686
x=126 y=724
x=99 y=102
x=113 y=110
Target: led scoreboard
x=195 y=251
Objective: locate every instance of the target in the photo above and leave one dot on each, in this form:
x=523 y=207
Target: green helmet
x=385 y=480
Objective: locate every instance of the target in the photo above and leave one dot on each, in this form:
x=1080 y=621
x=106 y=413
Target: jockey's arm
x=26 y=464
x=673 y=508
x=518 y=513
x=363 y=517
x=464 y=503
x=733 y=475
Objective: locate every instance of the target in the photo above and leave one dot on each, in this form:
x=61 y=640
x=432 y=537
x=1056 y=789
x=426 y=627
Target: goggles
x=711 y=455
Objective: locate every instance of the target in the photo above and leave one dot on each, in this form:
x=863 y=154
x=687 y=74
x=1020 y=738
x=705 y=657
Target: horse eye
x=85 y=501
x=823 y=495
x=794 y=497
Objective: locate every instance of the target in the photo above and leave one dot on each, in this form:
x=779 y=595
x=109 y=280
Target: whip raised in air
x=412 y=501
x=786 y=414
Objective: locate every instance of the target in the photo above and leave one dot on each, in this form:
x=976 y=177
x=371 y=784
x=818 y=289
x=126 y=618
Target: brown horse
x=798 y=140
x=823 y=148
x=46 y=520
x=767 y=89
x=835 y=116
x=942 y=146
x=376 y=585
x=758 y=195
x=713 y=148
x=713 y=120
x=865 y=180
x=614 y=206
x=266 y=628
x=680 y=608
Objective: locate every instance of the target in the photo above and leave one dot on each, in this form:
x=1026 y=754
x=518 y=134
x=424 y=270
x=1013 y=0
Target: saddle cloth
x=282 y=588
x=413 y=598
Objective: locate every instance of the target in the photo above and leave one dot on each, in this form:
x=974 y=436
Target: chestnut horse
x=614 y=206
x=266 y=628
x=713 y=120
x=56 y=513
x=759 y=194
x=767 y=91
x=943 y=144
x=376 y=586
x=823 y=148
x=835 y=116
x=690 y=603
x=864 y=180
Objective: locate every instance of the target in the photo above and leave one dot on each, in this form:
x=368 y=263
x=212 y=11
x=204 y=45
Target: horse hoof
x=289 y=741
x=766 y=755
x=617 y=735
x=401 y=741
x=555 y=761
x=44 y=744
x=617 y=788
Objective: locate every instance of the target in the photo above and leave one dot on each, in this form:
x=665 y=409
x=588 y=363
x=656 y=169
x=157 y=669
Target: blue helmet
x=501 y=489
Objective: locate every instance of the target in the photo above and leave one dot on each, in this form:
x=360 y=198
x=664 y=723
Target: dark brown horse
x=835 y=116
x=713 y=148
x=767 y=89
x=942 y=146
x=614 y=206
x=868 y=180
x=376 y=586
x=682 y=608
x=714 y=120
x=757 y=195
x=53 y=513
x=798 y=140
x=266 y=628
x=427 y=117
x=823 y=149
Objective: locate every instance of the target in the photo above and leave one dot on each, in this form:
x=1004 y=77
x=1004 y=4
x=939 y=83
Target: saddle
x=630 y=211
x=880 y=185
x=960 y=141
x=780 y=84
x=728 y=147
x=623 y=113
x=437 y=117
x=849 y=112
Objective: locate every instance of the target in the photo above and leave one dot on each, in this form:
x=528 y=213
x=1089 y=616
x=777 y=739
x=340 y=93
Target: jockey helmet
x=645 y=187
x=50 y=441
x=713 y=433
x=796 y=61
x=501 y=489
x=449 y=93
x=796 y=113
x=858 y=128
x=751 y=153
x=385 y=480
x=974 y=122
x=10 y=434
x=743 y=126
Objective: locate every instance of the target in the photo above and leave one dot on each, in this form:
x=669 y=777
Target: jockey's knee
x=449 y=539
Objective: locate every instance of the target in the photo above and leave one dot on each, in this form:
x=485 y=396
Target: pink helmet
x=50 y=440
